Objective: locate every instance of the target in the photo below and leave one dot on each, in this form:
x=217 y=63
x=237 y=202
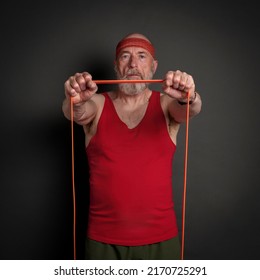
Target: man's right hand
x=80 y=87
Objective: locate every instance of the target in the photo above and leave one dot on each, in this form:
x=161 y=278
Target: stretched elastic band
x=73 y=178
x=184 y=179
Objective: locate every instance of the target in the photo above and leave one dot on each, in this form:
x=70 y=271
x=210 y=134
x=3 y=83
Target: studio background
x=44 y=43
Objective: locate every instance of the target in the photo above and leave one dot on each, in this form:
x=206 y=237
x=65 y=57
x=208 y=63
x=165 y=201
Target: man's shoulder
x=98 y=97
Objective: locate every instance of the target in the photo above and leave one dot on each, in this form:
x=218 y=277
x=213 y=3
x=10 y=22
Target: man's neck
x=132 y=99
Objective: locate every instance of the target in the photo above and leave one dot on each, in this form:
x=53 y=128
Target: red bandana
x=135 y=42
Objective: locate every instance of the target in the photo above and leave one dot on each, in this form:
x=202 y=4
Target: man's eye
x=124 y=56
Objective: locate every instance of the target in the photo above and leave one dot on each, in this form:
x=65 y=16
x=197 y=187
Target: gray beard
x=135 y=88
x=132 y=89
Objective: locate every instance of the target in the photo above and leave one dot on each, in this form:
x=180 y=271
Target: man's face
x=134 y=63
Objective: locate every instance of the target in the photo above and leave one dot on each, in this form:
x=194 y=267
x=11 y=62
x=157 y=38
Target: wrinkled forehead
x=135 y=42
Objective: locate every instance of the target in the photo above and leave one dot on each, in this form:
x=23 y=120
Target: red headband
x=135 y=42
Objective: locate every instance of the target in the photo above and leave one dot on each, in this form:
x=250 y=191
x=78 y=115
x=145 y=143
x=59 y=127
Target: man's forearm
x=178 y=109
x=83 y=112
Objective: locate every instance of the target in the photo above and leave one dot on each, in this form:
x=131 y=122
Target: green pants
x=166 y=250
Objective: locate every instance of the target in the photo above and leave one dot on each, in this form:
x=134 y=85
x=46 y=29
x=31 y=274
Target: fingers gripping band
x=135 y=42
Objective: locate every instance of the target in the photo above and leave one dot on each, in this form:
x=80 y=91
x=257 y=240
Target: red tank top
x=131 y=179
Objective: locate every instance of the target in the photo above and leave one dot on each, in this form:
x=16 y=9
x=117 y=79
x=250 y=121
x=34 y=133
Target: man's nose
x=133 y=61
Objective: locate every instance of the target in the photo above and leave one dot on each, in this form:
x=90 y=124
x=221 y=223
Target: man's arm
x=82 y=91
x=177 y=85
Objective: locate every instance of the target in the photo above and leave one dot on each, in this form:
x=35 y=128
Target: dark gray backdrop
x=42 y=44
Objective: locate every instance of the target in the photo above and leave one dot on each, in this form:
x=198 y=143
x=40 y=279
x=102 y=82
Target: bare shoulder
x=98 y=98
x=172 y=125
x=90 y=129
x=165 y=101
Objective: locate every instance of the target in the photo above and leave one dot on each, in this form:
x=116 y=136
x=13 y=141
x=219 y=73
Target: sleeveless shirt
x=131 y=199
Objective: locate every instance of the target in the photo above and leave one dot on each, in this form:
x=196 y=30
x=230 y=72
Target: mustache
x=132 y=72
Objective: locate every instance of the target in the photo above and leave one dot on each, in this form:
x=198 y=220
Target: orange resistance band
x=73 y=177
x=185 y=160
x=98 y=82
x=185 y=176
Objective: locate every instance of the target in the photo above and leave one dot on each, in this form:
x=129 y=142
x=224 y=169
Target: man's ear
x=155 y=65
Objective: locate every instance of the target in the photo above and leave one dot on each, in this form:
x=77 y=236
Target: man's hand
x=177 y=84
x=80 y=87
